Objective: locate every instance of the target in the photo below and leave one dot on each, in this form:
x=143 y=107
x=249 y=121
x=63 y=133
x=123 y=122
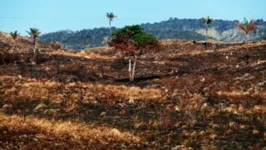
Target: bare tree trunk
x=110 y=28
x=134 y=67
x=34 y=51
x=129 y=69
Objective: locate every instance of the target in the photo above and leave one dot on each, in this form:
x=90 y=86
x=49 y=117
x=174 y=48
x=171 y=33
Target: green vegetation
x=135 y=36
x=142 y=40
x=131 y=40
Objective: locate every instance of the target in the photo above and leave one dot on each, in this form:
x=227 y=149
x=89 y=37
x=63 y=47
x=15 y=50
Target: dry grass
x=43 y=129
x=204 y=99
x=36 y=89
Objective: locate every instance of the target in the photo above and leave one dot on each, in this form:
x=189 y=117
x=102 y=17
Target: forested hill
x=193 y=29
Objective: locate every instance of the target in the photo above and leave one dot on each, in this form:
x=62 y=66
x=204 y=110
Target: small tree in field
x=131 y=40
x=34 y=33
x=206 y=21
x=14 y=36
x=247 y=27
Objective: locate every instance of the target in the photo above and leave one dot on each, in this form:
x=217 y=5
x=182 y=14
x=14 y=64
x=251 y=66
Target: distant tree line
x=171 y=29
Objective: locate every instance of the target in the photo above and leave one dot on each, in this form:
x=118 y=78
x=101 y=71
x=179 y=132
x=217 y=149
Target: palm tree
x=110 y=16
x=34 y=33
x=206 y=21
x=14 y=36
x=247 y=26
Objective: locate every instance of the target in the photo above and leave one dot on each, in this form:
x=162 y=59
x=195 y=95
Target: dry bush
x=55 y=45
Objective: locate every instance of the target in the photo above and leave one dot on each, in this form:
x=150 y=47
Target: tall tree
x=110 y=16
x=247 y=27
x=206 y=21
x=14 y=36
x=34 y=33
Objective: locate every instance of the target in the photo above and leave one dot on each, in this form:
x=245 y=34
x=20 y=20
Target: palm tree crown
x=34 y=33
x=207 y=20
x=14 y=35
x=110 y=16
x=247 y=26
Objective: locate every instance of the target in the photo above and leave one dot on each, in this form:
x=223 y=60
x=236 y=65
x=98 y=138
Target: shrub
x=143 y=40
x=55 y=45
x=132 y=39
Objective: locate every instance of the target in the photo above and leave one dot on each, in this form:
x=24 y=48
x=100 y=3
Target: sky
x=54 y=15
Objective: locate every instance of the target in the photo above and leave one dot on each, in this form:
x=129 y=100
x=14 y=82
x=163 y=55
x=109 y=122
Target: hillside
x=23 y=43
x=184 y=97
x=189 y=29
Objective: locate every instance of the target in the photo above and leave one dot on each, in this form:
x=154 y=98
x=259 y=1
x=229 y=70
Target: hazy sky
x=54 y=15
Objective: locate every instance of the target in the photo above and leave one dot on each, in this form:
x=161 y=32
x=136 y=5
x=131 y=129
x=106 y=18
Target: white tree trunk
x=129 y=69
x=134 y=67
x=34 y=50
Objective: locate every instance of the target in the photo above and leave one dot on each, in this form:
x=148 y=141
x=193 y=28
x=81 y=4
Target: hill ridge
x=173 y=28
